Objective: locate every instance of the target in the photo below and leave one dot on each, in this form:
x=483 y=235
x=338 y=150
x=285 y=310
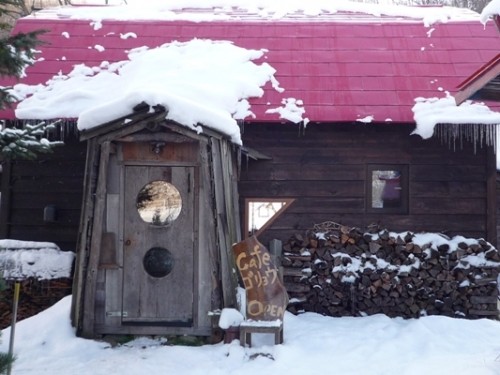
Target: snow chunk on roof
x=40 y=260
x=198 y=82
x=490 y=10
x=291 y=110
x=432 y=111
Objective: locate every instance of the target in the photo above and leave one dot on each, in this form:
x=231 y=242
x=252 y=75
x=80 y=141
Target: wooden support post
x=15 y=303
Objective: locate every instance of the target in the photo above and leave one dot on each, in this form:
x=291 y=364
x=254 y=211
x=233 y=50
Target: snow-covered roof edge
x=247 y=10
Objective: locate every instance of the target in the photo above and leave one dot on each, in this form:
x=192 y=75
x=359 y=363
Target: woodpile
x=35 y=296
x=336 y=270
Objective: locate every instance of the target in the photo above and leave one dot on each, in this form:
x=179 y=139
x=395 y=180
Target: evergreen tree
x=17 y=51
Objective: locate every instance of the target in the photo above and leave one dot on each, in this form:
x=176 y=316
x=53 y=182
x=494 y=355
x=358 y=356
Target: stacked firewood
x=34 y=297
x=341 y=271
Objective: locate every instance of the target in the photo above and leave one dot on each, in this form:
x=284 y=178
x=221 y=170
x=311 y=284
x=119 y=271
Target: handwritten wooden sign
x=266 y=296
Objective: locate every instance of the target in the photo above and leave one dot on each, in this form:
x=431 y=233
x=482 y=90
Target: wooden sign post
x=266 y=296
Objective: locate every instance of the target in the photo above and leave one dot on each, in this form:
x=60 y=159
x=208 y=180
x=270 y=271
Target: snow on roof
x=491 y=10
x=218 y=10
x=198 y=82
x=40 y=260
x=429 y=112
x=318 y=61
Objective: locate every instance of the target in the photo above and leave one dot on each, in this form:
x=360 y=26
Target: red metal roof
x=342 y=69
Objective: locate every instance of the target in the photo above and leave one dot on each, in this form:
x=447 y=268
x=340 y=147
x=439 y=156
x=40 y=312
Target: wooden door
x=158 y=245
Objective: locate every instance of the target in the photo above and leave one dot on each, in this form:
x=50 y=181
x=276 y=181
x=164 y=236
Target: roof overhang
x=484 y=84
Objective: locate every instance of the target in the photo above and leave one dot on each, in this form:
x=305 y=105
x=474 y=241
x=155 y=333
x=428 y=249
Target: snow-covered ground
x=313 y=344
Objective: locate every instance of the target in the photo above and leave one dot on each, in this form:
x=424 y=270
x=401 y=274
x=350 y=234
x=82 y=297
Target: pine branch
x=6 y=360
x=26 y=143
x=17 y=52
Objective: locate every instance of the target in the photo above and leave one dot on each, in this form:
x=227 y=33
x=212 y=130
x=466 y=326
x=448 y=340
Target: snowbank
x=39 y=260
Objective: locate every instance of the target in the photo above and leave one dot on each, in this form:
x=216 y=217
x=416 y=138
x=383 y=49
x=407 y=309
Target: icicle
x=455 y=136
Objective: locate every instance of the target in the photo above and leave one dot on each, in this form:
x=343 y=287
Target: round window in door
x=158 y=262
x=159 y=203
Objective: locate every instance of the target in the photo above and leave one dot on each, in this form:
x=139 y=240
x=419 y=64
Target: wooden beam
x=158 y=137
x=224 y=219
x=90 y=277
x=489 y=72
x=122 y=125
x=91 y=165
x=491 y=196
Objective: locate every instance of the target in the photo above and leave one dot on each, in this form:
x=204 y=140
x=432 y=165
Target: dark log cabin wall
x=28 y=186
x=324 y=168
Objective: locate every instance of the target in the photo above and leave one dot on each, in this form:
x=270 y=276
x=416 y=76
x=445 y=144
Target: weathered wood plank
x=229 y=281
x=142 y=151
x=113 y=293
x=210 y=293
x=53 y=168
x=6 y=199
x=42 y=184
x=328 y=205
x=153 y=330
x=95 y=242
x=473 y=206
x=491 y=198
x=83 y=240
x=422 y=172
x=62 y=200
x=447 y=189
x=315 y=172
x=63 y=237
x=289 y=189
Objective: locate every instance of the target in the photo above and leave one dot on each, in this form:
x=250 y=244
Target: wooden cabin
x=350 y=158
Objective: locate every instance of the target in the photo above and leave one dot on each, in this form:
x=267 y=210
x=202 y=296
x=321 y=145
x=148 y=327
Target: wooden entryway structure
x=159 y=216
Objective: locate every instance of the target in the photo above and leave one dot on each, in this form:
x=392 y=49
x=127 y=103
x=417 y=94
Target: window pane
x=158 y=262
x=159 y=203
x=259 y=213
x=386 y=189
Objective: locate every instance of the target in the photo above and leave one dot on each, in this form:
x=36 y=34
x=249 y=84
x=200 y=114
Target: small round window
x=158 y=262
x=159 y=203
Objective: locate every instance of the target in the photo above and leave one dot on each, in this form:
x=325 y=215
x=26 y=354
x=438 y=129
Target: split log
x=346 y=272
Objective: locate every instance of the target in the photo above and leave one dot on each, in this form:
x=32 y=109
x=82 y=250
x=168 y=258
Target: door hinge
x=120 y=314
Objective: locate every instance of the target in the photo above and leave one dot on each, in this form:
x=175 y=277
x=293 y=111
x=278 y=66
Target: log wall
x=324 y=169
x=28 y=186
